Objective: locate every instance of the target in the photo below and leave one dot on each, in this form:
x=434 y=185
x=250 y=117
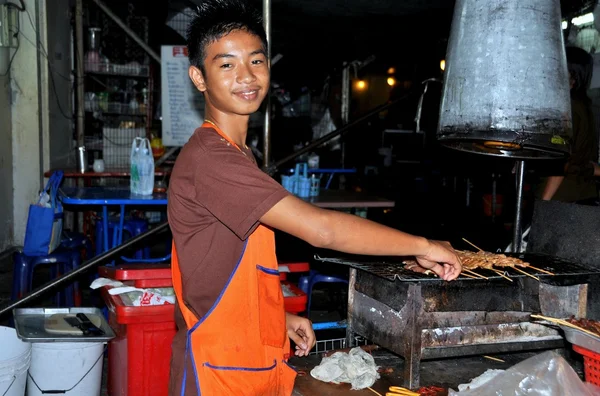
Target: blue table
x=109 y=196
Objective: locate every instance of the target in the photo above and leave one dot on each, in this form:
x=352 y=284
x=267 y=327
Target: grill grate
x=392 y=268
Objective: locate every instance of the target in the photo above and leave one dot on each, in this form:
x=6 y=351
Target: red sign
x=180 y=51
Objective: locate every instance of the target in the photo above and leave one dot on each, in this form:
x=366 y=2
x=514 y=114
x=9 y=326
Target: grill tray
x=392 y=268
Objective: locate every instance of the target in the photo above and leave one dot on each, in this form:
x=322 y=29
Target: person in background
x=575 y=183
x=233 y=332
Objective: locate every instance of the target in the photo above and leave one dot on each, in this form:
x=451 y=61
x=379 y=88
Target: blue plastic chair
x=307 y=282
x=60 y=261
x=133 y=226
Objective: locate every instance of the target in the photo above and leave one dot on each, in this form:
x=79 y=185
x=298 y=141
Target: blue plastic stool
x=60 y=261
x=76 y=241
x=306 y=283
x=133 y=226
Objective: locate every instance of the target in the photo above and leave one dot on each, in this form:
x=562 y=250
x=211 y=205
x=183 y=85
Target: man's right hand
x=441 y=259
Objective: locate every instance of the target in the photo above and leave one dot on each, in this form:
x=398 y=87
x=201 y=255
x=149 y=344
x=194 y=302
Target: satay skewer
x=526 y=273
x=470 y=276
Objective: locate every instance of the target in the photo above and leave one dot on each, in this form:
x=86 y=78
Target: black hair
x=217 y=18
x=581 y=67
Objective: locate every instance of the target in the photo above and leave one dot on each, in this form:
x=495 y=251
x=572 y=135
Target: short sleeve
x=230 y=186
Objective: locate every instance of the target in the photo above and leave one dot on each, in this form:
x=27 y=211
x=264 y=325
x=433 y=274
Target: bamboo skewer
x=526 y=273
x=472 y=244
x=374 y=391
x=493 y=358
x=470 y=276
x=565 y=323
x=501 y=274
x=540 y=270
x=475 y=273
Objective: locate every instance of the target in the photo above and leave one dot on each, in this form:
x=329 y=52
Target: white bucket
x=73 y=367
x=15 y=357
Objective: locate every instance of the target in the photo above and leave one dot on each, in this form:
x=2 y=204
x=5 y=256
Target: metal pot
x=506 y=86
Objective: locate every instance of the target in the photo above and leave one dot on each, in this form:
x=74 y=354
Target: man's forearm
x=552 y=185
x=353 y=234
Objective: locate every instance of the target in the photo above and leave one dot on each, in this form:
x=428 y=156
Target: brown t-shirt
x=216 y=197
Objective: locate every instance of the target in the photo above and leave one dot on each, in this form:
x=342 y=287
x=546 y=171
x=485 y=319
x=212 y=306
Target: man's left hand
x=301 y=332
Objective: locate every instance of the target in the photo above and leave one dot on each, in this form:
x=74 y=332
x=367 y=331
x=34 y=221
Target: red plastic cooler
x=140 y=354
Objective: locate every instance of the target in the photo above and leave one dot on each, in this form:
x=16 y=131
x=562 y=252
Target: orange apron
x=240 y=346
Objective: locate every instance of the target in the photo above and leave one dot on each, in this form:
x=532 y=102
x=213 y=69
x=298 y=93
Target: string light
x=391 y=81
x=361 y=85
x=443 y=64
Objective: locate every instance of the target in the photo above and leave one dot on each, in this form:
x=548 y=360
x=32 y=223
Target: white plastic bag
x=546 y=374
x=356 y=367
x=142 y=167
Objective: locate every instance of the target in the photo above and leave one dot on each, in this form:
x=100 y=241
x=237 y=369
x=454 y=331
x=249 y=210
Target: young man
x=233 y=334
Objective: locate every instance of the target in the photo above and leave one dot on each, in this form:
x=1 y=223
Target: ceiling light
x=391 y=81
x=583 y=20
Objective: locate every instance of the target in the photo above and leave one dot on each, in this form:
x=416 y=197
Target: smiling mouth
x=248 y=94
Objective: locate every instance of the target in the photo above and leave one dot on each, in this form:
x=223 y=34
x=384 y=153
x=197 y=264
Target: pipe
x=83 y=268
x=519 y=206
x=127 y=30
x=79 y=73
x=267 y=126
x=420 y=105
x=273 y=168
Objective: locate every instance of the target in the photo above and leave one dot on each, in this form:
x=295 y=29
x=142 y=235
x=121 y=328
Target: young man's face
x=236 y=77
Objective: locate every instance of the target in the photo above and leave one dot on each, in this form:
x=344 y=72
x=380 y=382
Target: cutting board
x=56 y=324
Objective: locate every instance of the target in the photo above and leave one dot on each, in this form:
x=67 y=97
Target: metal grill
x=393 y=268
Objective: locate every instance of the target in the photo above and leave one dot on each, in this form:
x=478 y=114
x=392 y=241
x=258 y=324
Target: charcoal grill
x=421 y=316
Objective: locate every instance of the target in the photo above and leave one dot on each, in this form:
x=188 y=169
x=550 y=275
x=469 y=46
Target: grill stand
x=419 y=321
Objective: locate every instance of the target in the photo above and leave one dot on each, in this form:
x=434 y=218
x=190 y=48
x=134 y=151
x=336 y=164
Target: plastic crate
x=591 y=363
x=297 y=303
x=285 y=268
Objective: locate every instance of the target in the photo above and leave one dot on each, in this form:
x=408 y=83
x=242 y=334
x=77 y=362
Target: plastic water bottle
x=146 y=172
x=142 y=167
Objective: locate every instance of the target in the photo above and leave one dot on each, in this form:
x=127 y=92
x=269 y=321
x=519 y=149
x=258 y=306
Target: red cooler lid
x=145 y=271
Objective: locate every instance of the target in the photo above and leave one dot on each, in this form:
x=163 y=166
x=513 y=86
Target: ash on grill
x=421 y=316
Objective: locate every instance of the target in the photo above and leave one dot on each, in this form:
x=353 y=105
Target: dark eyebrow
x=219 y=56
x=255 y=52
x=259 y=52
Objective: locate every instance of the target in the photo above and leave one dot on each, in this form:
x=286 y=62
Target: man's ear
x=197 y=78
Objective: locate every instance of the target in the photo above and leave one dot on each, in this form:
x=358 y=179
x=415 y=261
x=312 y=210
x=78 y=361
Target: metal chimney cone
x=506 y=85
